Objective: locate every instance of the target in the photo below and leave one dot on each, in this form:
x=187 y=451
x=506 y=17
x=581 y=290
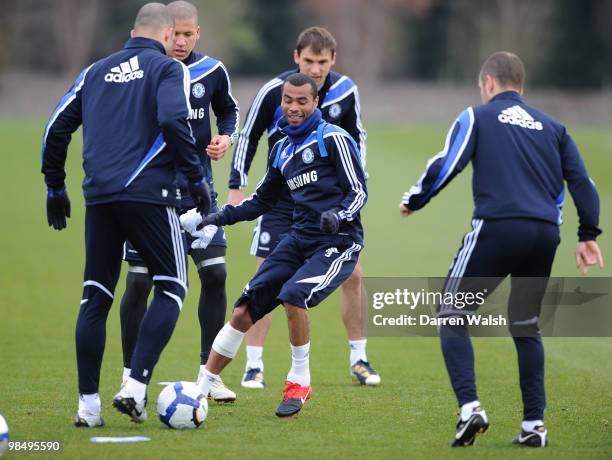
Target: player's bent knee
x=139 y=283
x=170 y=289
x=228 y=341
x=213 y=274
x=95 y=297
x=241 y=318
x=524 y=329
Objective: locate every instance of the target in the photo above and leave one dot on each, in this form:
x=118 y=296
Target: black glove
x=200 y=193
x=216 y=218
x=330 y=222
x=58 y=207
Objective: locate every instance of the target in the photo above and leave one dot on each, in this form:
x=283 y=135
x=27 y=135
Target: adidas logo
x=124 y=72
x=518 y=116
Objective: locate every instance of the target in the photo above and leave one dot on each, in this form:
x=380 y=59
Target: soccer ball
x=4 y=436
x=182 y=405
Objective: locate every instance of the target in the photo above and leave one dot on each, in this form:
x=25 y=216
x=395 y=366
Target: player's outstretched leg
x=211 y=310
x=155 y=331
x=225 y=347
x=297 y=388
x=253 y=376
x=352 y=301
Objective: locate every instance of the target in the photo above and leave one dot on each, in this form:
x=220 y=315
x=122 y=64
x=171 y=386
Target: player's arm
x=64 y=121
x=173 y=109
x=351 y=123
x=227 y=112
x=586 y=199
x=259 y=117
x=262 y=201
x=352 y=180
x=442 y=168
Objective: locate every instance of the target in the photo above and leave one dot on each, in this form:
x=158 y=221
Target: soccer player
x=320 y=164
x=210 y=87
x=315 y=54
x=133 y=106
x=521 y=158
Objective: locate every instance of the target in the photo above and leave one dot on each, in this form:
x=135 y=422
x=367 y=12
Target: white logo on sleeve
x=518 y=116
x=125 y=72
x=330 y=251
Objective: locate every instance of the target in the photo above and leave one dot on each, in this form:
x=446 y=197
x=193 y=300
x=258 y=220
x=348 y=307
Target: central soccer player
x=320 y=164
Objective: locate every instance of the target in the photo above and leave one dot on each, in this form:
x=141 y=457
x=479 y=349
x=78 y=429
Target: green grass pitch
x=411 y=415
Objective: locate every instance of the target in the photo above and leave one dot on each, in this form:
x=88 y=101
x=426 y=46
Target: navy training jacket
x=210 y=88
x=521 y=158
x=134 y=107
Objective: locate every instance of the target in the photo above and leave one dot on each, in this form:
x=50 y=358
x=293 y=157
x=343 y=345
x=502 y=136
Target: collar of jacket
x=507 y=95
x=142 y=42
x=297 y=134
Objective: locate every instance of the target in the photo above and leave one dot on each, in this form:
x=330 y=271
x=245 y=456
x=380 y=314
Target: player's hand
x=216 y=218
x=203 y=237
x=219 y=144
x=588 y=254
x=404 y=211
x=58 y=207
x=190 y=220
x=200 y=193
x=235 y=196
x=330 y=222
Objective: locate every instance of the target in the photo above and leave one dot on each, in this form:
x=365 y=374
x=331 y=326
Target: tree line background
x=564 y=43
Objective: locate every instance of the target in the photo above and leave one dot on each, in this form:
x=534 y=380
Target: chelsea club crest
x=307 y=156
x=335 y=110
x=198 y=90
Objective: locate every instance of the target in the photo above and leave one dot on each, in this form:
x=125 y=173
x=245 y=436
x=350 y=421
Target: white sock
x=90 y=402
x=529 y=425
x=207 y=380
x=254 y=357
x=137 y=389
x=358 y=350
x=300 y=366
x=126 y=374
x=466 y=409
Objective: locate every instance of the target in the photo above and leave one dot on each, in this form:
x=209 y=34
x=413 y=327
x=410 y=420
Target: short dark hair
x=507 y=68
x=153 y=16
x=318 y=39
x=301 y=79
x=183 y=11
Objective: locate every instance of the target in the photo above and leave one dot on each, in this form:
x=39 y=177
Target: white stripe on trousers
x=333 y=270
x=458 y=269
x=255 y=240
x=177 y=244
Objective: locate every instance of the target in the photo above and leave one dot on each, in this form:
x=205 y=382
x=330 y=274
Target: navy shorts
x=130 y=254
x=301 y=272
x=270 y=229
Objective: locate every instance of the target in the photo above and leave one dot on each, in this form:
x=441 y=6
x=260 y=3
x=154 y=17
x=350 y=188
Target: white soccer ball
x=4 y=436
x=182 y=405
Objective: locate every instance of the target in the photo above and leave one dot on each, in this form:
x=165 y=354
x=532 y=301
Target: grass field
x=411 y=415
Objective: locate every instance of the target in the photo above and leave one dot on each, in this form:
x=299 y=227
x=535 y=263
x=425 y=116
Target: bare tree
x=74 y=25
